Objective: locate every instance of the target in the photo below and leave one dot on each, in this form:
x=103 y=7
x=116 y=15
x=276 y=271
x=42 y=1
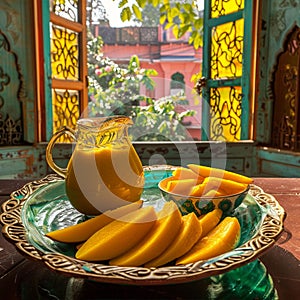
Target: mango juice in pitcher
x=104 y=171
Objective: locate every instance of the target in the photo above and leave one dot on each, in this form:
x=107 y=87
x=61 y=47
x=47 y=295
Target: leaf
x=197 y=42
x=155 y=2
x=162 y=19
x=174 y=12
x=151 y=72
x=126 y=14
x=169 y=16
x=183 y=30
x=198 y=23
x=168 y=25
x=187 y=7
x=163 y=8
x=137 y=12
x=123 y=3
x=141 y=3
x=176 y=31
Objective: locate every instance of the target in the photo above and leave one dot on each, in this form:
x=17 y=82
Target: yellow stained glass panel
x=226 y=111
x=227 y=50
x=65 y=104
x=225 y=7
x=64 y=53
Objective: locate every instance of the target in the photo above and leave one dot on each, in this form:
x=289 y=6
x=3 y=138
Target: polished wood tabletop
x=23 y=278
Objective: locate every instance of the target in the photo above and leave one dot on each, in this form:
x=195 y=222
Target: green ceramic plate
x=42 y=206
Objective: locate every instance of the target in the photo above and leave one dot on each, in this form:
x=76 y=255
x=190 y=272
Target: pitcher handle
x=64 y=130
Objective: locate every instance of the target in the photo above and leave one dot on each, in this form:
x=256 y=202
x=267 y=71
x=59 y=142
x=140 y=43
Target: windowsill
x=278 y=151
x=190 y=142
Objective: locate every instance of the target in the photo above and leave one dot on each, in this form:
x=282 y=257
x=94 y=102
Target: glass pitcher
x=104 y=171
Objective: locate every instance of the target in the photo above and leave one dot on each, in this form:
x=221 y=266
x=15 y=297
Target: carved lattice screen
x=11 y=129
x=286 y=118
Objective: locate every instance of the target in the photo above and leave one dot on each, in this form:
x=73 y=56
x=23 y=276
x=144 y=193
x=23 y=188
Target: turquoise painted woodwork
x=47 y=64
x=247 y=62
x=17 y=69
x=278 y=163
x=243 y=81
x=278 y=19
x=206 y=50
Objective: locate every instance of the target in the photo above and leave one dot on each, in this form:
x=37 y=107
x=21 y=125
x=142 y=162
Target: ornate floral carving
x=280 y=17
x=286 y=94
x=10 y=19
x=11 y=130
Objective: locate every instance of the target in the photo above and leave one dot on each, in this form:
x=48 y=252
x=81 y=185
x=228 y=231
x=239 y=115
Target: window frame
x=52 y=83
x=240 y=159
x=247 y=81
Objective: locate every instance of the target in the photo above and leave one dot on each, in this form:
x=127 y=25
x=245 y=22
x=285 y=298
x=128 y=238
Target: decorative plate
x=41 y=206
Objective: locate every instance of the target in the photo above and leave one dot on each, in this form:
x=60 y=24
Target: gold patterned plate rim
x=15 y=231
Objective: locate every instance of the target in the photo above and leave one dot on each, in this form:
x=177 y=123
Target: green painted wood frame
x=243 y=81
x=47 y=65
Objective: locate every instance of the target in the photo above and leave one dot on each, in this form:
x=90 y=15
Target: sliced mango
x=215 y=172
x=228 y=186
x=81 y=232
x=223 y=238
x=118 y=236
x=210 y=221
x=185 y=173
x=197 y=190
x=156 y=241
x=214 y=186
x=180 y=186
x=188 y=235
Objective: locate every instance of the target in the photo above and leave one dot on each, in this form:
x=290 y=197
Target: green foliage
x=115 y=89
x=159 y=120
x=150 y=16
x=182 y=17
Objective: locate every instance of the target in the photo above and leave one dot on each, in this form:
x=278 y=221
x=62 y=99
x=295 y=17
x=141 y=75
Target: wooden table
x=22 y=278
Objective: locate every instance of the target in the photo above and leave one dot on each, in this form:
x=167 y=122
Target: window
x=177 y=84
x=227 y=104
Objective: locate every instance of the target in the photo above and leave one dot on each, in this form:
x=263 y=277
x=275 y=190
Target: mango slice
x=223 y=238
x=226 y=185
x=197 y=190
x=215 y=172
x=81 y=232
x=156 y=241
x=210 y=221
x=188 y=235
x=118 y=236
x=219 y=186
x=185 y=173
x=180 y=186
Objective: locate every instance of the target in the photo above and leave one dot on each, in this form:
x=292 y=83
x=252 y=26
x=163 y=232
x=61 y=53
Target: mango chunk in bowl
x=201 y=189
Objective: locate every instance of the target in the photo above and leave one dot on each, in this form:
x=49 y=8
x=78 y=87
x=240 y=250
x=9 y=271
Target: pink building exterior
x=158 y=49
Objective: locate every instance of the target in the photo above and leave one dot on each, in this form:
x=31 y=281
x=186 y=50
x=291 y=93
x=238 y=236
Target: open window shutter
x=66 y=93
x=227 y=70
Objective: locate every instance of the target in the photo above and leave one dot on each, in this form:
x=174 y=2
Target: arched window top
x=177 y=81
